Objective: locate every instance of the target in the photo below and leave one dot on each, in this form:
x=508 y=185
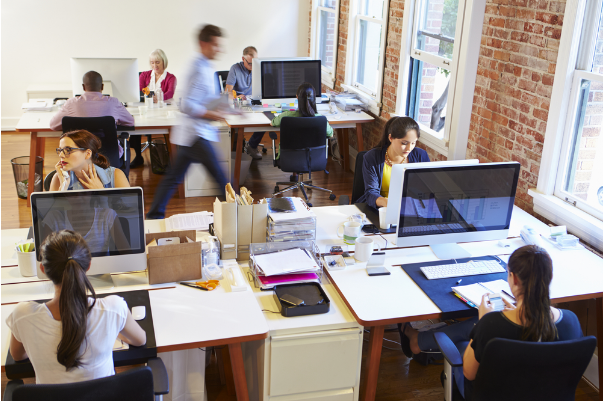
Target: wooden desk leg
x=233 y=138
x=238 y=160
x=345 y=151
x=600 y=343
x=225 y=357
x=376 y=335
x=33 y=152
x=239 y=373
x=359 y=137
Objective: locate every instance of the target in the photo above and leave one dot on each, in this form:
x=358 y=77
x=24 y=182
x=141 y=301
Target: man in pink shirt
x=92 y=104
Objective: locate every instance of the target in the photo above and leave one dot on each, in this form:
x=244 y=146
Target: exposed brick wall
x=519 y=48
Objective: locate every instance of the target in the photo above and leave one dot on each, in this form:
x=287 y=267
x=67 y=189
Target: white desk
x=383 y=300
x=257 y=122
x=184 y=318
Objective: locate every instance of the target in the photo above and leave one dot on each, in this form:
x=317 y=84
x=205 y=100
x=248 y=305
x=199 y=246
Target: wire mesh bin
x=21 y=173
x=257 y=249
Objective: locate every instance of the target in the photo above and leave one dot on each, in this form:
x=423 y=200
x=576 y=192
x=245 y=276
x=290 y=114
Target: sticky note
x=292 y=104
x=277 y=105
x=265 y=105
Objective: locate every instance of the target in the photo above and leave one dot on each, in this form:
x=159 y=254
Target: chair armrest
x=125 y=128
x=344 y=200
x=160 y=376
x=10 y=388
x=448 y=349
x=273 y=135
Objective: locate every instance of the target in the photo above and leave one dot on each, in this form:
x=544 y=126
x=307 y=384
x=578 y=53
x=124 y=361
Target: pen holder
x=27 y=263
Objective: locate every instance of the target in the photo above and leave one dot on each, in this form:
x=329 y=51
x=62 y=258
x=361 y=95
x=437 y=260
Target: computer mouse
x=138 y=312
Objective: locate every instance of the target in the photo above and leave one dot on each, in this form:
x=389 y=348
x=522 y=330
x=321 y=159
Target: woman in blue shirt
x=82 y=166
x=397 y=146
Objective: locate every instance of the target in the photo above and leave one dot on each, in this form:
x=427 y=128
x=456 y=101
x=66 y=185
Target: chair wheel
x=309 y=204
x=276 y=189
x=265 y=150
x=332 y=196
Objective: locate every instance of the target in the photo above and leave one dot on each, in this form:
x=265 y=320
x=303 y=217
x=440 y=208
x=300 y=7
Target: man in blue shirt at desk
x=195 y=133
x=240 y=80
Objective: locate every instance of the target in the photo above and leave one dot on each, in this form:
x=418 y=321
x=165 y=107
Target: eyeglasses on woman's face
x=68 y=150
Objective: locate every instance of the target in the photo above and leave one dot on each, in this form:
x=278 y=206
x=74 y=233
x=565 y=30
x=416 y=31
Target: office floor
x=398 y=378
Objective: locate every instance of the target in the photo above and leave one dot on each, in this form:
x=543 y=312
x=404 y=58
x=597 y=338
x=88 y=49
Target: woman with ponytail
x=306 y=107
x=397 y=146
x=82 y=166
x=532 y=319
x=70 y=338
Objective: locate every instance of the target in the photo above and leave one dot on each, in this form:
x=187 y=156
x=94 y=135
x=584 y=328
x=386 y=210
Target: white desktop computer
x=110 y=220
x=123 y=74
x=441 y=206
x=275 y=80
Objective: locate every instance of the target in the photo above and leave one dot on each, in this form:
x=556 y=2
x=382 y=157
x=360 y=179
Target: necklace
x=388 y=161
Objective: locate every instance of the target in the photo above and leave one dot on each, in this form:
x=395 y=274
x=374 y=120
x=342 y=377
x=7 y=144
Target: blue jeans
x=255 y=139
x=202 y=152
x=459 y=334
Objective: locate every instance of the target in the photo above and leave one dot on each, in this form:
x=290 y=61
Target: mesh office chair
x=142 y=383
x=303 y=149
x=105 y=129
x=522 y=370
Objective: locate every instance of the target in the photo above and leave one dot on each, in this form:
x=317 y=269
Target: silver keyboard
x=469 y=268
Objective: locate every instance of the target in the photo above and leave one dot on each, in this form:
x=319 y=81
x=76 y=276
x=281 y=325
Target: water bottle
x=210 y=251
x=159 y=94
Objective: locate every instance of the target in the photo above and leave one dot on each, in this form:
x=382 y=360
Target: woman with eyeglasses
x=81 y=166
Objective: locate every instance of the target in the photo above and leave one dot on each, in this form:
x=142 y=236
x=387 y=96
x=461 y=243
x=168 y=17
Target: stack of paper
x=193 y=221
x=290 y=219
x=289 y=261
x=38 y=106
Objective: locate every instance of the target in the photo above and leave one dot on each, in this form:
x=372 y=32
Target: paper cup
x=349 y=231
x=364 y=246
x=27 y=263
x=382 y=217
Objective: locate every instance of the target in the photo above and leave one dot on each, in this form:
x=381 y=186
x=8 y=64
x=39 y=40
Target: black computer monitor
x=281 y=79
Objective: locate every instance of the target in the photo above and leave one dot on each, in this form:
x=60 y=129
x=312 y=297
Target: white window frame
x=547 y=200
x=463 y=72
x=374 y=98
x=328 y=75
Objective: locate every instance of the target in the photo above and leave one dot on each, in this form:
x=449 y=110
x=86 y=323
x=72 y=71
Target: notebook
x=474 y=292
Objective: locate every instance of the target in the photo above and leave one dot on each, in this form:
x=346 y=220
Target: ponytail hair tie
x=70 y=258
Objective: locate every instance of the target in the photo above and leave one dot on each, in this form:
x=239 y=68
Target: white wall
x=39 y=36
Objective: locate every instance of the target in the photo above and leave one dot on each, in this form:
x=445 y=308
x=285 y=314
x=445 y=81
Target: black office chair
x=142 y=383
x=359 y=187
x=303 y=149
x=105 y=128
x=521 y=370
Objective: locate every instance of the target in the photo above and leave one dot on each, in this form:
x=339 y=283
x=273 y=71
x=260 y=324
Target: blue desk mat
x=440 y=291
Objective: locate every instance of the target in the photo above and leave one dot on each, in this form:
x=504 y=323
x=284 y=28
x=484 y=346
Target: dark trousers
x=202 y=152
x=135 y=143
x=256 y=139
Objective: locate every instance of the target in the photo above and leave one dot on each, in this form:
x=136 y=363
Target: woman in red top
x=157 y=77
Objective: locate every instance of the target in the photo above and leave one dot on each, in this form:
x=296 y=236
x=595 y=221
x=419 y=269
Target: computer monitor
x=442 y=206
x=275 y=80
x=122 y=73
x=110 y=220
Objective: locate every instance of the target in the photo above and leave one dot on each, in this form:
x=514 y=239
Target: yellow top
x=386 y=180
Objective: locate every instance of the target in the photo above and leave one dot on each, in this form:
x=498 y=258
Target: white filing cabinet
x=313 y=357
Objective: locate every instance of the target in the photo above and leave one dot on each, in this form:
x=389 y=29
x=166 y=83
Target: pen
x=421 y=203
x=509 y=295
x=194 y=286
x=459 y=281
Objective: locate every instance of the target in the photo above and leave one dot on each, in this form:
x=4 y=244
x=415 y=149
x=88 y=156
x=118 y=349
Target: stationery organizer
x=290 y=219
x=286 y=272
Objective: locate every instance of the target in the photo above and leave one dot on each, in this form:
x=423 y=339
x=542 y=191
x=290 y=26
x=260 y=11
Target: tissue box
x=172 y=263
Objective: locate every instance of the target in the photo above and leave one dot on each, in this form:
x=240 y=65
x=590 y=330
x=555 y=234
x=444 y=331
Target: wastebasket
x=160 y=159
x=21 y=172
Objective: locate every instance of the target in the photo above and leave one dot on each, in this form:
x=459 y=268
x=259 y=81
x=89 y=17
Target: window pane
x=584 y=179
x=437 y=27
x=327 y=38
x=597 y=60
x=368 y=56
x=427 y=102
x=327 y=3
x=371 y=8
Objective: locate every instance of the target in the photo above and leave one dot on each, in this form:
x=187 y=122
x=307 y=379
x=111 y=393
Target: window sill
x=581 y=224
x=430 y=140
x=373 y=105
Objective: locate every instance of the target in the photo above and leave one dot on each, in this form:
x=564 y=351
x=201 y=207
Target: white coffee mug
x=364 y=246
x=382 y=217
x=27 y=263
x=349 y=231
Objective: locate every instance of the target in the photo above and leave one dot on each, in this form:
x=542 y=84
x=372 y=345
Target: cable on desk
x=266 y=310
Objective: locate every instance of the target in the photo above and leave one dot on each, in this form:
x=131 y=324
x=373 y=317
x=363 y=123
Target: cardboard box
x=172 y=263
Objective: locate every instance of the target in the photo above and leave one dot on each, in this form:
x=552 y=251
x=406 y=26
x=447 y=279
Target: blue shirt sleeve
x=232 y=77
x=371 y=179
x=199 y=95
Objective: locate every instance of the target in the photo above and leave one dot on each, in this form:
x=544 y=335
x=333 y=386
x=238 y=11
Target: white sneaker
x=253 y=152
